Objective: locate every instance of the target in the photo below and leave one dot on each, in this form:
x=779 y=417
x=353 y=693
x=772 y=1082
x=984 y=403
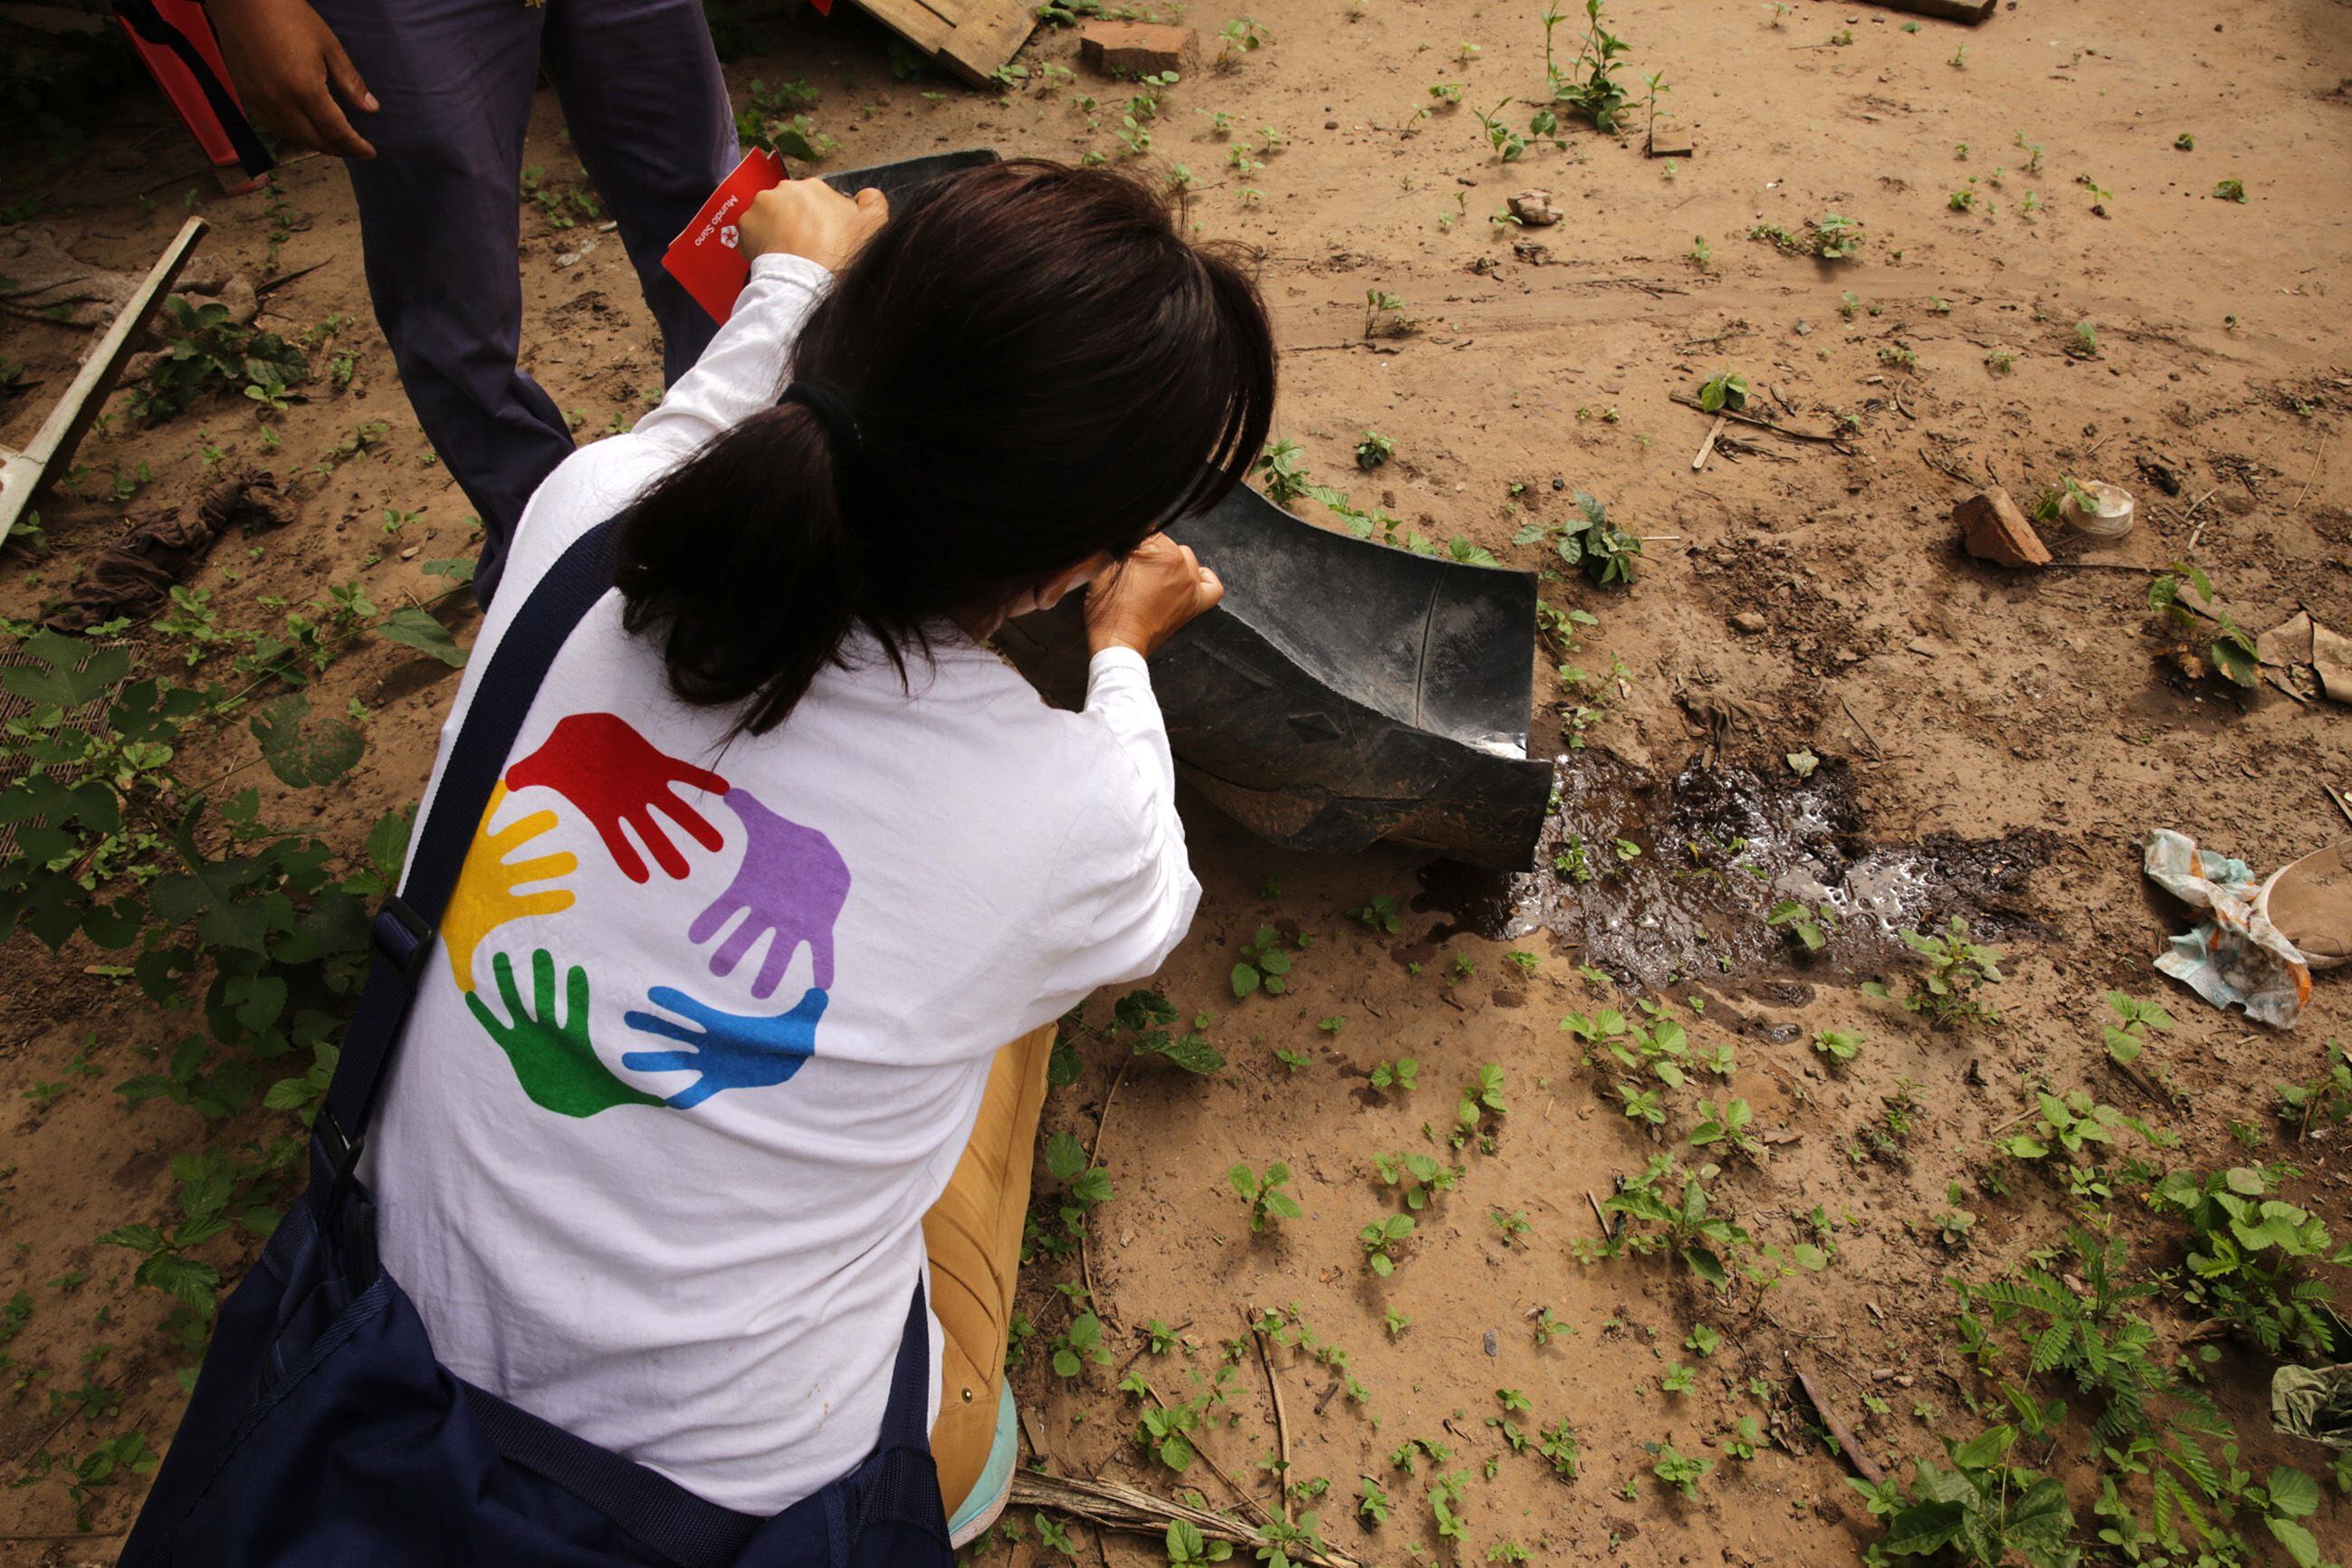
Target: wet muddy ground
x=1665 y=881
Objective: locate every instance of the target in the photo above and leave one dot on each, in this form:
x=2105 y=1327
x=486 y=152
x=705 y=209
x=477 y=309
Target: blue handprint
x=731 y=1050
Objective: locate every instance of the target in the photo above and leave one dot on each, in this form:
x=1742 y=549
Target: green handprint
x=554 y=1062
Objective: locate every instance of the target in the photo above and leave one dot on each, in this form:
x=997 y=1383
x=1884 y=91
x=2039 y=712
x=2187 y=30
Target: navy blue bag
x=324 y=1431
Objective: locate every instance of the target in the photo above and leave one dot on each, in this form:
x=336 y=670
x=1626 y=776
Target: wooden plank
x=968 y=38
x=22 y=474
x=916 y=23
x=989 y=35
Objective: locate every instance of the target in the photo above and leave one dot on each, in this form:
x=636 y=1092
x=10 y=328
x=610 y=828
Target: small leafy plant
x=1958 y=969
x=1727 y=389
x=1418 y=1177
x=1384 y=315
x=1981 y=1512
x=2247 y=1253
x=1262 y=965
x=1682 y=1472
x=1262 y=1191
x=1605 y=552
x=1588 y=84
x=2232 y=651
x=1836 y=237
x=1381 y=1236
x=1837 y=1047
x=1807 y=925
x=206 y=350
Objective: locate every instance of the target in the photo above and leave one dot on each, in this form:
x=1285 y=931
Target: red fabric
x=180 y=86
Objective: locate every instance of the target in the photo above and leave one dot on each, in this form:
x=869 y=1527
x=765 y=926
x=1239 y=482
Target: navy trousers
x=439 y=203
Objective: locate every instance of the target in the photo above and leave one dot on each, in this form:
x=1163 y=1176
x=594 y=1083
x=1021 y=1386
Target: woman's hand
x=1141 y=602
x=290 y=68
x=810 y=218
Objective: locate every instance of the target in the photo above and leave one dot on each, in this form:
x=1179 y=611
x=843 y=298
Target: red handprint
x=602 y=766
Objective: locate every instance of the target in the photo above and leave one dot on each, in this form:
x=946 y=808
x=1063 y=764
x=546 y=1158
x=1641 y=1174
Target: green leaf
x=1191 y=1052
x=2235 y=661
x=59 y=681
x=1065 y=1156
x=2293 y=1493
x=302 y=751
x=138 y=1238
x=1244 y=979
x=1983 y=1449
x=1707 y=1265
x=1923 y=1529
x=414 y=627
x=2300 y=1543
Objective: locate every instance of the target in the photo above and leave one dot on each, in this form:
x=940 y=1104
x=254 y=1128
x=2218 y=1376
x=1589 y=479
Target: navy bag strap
x=407 y=925
x=686 y=1530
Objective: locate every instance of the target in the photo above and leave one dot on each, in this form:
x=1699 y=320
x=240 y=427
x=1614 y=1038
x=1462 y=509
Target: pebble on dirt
x=1994 y=530
x=1134 y=48
x=1534 y=209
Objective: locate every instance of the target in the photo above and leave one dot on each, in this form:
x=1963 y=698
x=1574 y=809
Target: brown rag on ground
x=138 y=570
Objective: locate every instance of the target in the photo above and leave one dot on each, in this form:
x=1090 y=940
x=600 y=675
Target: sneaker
x=996 y=1484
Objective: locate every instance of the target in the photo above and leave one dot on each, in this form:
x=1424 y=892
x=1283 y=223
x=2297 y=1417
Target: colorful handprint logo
x=789 y=887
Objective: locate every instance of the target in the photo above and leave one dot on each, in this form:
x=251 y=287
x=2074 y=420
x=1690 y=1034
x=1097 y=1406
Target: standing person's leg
x=974 y=1235
x=439 y=220
x=647 y=110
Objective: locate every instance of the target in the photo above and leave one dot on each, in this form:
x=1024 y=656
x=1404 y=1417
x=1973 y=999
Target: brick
x=1995 y=530
x=1135 y=48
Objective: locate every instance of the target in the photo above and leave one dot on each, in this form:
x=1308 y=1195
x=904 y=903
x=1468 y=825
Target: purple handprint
x=791 y=882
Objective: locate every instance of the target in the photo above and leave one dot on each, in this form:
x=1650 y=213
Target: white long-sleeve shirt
x=708 y=1026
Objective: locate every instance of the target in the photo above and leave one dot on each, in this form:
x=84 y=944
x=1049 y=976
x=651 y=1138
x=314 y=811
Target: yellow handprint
x=485 y=896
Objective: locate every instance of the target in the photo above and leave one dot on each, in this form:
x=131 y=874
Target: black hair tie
x=831 y=406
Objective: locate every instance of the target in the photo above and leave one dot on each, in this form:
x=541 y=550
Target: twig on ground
x=1944 y=465
x=2317 y=453
x=1876 y=750
x=1086 y=1258
x=1281 y=1422
x=1112 y=1505
x=1689 y=402
x=1706 y=447
x=261 y=290
x=1848 y=1445
x=2341 y=804
x=1210 y=1459
x=2198 y=532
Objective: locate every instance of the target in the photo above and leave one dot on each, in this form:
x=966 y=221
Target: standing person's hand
x=1141 y=602
x=289 y=70
x=810 y=218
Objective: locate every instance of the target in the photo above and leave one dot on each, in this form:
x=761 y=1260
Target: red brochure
x=705 y=258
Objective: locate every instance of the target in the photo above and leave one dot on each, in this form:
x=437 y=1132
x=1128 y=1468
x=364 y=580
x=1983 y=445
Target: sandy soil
x=1793 y=597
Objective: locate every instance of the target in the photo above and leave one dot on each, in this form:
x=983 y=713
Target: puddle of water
x=1662 y=881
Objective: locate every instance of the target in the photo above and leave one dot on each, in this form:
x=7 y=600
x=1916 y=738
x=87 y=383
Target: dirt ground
x=2009 y=737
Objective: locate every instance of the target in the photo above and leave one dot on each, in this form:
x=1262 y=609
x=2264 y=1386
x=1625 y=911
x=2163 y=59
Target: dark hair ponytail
x=741 y=561
x=1039 y=369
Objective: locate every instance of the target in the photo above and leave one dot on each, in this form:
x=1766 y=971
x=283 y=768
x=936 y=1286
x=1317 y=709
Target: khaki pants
x=974 y=1235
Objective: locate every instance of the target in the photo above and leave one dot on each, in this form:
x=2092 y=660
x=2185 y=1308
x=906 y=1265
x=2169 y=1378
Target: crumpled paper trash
x=2237 y=958
x=2313 y=1402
